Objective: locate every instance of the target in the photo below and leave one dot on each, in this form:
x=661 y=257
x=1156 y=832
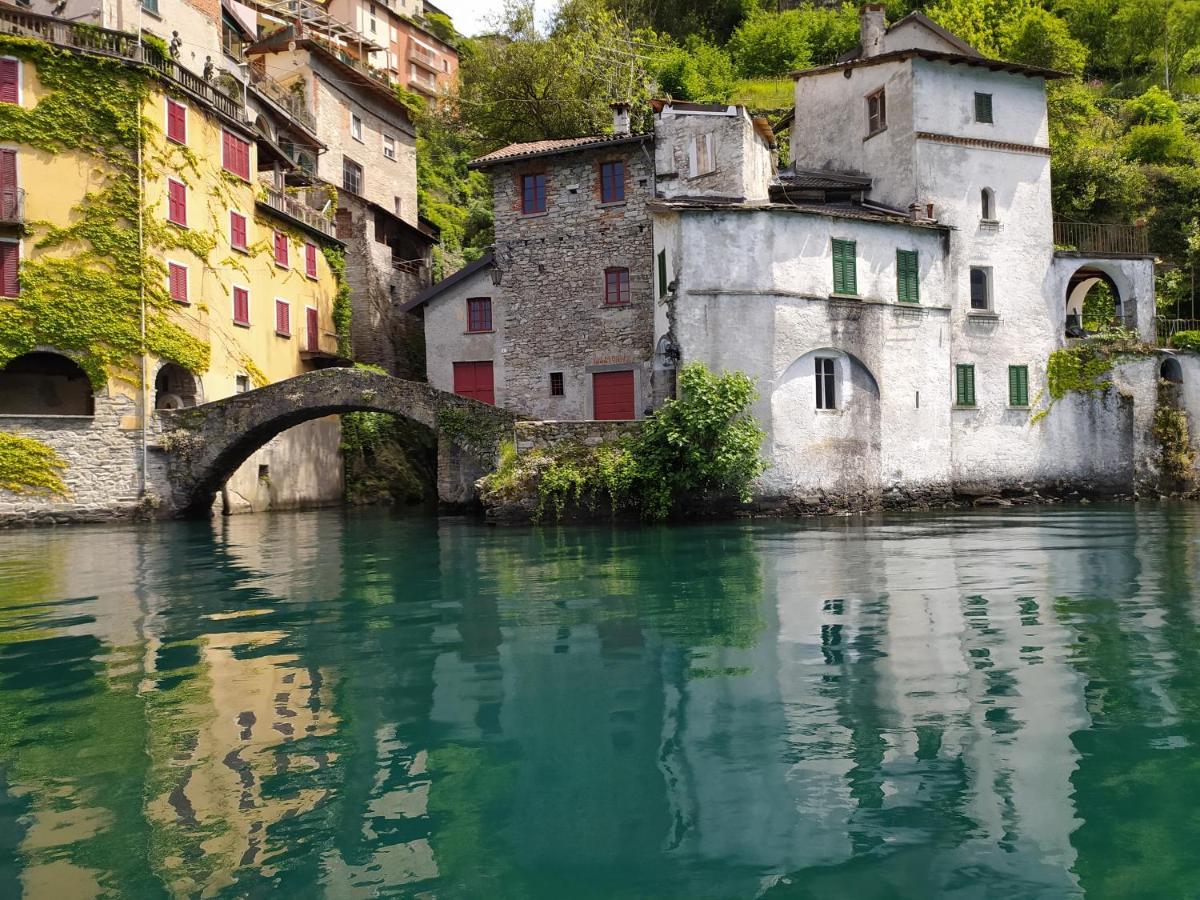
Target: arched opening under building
x=175 y=388
x=1170 y=370
x=1094 y=303
x=45 y=384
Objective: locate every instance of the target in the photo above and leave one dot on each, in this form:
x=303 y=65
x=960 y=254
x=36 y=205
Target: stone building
x=570 y=303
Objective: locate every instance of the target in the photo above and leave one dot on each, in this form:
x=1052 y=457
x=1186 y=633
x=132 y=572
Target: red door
x=474 y=379
x=612 y=395
x=312 y=330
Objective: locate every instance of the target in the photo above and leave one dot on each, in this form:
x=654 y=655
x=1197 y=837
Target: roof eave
x=484 y=162
x=953 y=59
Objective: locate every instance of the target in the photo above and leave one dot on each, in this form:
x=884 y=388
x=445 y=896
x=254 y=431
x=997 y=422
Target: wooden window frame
x=185 y=300
x=312 y=338
x=310 y=260
x=176 y=222
x=475 y=324
x=20 y=86
x=987 y=289
x=624 y=290
x=841 y=286
x=610 y=182
x=233 y=292
x=168 y=102
x=984 y=112
x=284 y=306
x=877 y=119
x=384 y=143
x=825 y=376
x=355 y=118
x=244 y=246
x=286 y=262
x=526 y=208
x=362 y=176
x=1018 y=386
x=964 y=385
x=231 y=139
x=16 y=244
x=908 y=276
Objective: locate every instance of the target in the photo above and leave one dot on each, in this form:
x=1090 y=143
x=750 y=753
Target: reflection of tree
x=1142 y=754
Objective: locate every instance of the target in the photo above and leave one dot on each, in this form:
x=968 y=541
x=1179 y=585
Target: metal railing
x=12 y=206
x=319 y=342
x=106 y=42
x=1075 y=326
x=291 y=206
x=1165 y=328
x=291 y=102
x=421 y=56
x=1088 y=237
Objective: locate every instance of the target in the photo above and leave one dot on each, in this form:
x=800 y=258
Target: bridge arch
x=206 y=444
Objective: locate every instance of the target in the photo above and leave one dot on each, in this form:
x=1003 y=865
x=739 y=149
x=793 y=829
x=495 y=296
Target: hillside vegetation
x=1124 y=126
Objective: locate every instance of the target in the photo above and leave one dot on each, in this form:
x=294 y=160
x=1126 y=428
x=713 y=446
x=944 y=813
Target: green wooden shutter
x=983 y=108
x=907 y=280
x=964 y=385
x=662 y=273
x=1018 y=385
x=845 y=275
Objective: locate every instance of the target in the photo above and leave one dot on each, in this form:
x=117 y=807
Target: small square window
x=479 y=314
x=389 y=146
x=826 y=384
x=241 y=384
x=356 y=129
x=983 y=108
x=556 y=384
x=616 y=287
x=876 y=112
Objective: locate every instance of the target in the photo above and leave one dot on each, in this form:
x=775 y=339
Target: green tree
x=699 y=72
x=1040 y=38
x=984 y=24
x=1154 y=36
x=769 y=44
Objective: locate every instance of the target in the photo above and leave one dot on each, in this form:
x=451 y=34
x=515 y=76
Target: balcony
x=292 y=207
x=422 y=57
x=118 y=44
x=1166 y=328
x=12 y=206
x=288 y=100
x=1090 y=239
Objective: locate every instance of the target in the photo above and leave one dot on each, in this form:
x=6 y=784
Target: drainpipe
x=141 y=192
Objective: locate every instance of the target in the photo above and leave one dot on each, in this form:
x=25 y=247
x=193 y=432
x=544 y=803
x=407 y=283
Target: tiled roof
x=549 y=148
x=828 y=181
x=828 y=210
x=450 y=281
x=954 y=59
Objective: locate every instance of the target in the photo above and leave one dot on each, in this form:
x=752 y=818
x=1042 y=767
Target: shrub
x=1186 y=340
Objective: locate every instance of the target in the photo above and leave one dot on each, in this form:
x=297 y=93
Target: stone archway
x=206 y=444
x=1094 y=300
x=45 y=383
x=176 y=388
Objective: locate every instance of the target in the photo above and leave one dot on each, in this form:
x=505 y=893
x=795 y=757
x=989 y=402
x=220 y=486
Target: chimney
x=620 y=118
x=872 y=25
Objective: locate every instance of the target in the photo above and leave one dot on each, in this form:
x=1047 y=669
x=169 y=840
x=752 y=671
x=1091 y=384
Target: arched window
x=987 y=205
x=44 y=384
x=175 y=388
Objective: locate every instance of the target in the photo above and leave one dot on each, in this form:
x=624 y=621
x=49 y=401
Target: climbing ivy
x=28 y=466
x=336 y=258
x=1084 y=367
x=90 y=303
x=1176 y=455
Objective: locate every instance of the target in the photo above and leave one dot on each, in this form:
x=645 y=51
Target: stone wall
x=540 y=435
x=553 y=267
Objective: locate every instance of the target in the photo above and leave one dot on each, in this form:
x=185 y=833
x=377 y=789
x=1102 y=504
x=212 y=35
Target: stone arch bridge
x=203 y=445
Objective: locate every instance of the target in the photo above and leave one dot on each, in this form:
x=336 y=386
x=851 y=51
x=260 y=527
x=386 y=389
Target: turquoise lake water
x=345 y=704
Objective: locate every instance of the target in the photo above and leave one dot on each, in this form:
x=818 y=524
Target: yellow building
x=150 y=258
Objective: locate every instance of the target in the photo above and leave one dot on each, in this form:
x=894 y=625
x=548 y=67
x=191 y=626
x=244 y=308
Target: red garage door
x=474 y=379
x=612 y=394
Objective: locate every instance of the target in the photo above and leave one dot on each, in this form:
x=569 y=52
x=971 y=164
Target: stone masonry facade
x=553 y=267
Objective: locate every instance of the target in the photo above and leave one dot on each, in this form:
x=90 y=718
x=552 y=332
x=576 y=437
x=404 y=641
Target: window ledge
x=828 y=412
x=989 y=223
x=535 y=215
x=481 y=331
x=611 y=203
x=241 y=324
x=960 y=408
x=283 y=334
x=237 y=249
x=875 y=132
x=982 y=314
x=616 y=305
x=837 y=296
x=1025 y=408
x=152 y=13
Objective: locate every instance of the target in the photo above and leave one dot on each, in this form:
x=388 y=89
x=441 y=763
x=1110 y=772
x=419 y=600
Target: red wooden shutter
x=476 y=380
x=10 y=79
x=283 y=318
x=9 y=282
x=310 y=260
x=312 y=325
x=8 y=185
x=237 y=230
x=281 y=249
x=241 y=306
x=176 y=122
x=235 y=155
x=612 y=395
x=177 y=202
x=177 y=280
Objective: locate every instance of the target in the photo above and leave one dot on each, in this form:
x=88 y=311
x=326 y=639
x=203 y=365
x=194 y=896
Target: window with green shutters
x=662 y=273
x=964 y=385
x=845 y=275
x=983 y=108
x=1018 y=385
x=907 y=289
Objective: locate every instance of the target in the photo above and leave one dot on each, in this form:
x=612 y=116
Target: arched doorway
x=43 y=383
x=1094 y=302
x=1170 y=370
x=175 y=388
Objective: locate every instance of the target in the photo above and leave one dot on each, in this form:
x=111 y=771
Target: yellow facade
x=57 y=184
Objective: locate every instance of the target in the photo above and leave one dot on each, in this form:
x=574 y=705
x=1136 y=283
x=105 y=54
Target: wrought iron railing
x=288 y=100
x=290 y=206
x=104 y=41
x=1077 y=328
x=12 y=206
x=1088 y=237
x=1165 y=328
